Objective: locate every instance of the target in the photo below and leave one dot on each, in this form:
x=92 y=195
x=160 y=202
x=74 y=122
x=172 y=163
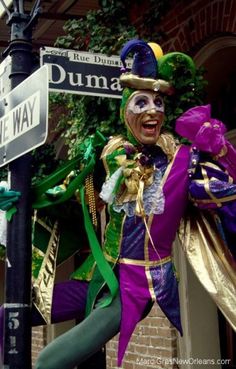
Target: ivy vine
x=105 y=31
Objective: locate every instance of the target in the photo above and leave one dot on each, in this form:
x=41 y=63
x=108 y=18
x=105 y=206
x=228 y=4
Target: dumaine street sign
x=82 y=72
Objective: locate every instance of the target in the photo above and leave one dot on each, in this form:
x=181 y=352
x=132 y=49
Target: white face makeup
x=144 y=116
x=144 y=101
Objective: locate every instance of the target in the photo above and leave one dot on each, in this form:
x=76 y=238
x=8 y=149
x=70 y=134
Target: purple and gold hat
x=151 y=70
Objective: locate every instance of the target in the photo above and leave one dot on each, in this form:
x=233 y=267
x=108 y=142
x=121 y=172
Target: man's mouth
x=150 y=126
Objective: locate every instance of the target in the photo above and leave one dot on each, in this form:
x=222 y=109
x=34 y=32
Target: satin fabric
x=211 y=260
x=145 y=268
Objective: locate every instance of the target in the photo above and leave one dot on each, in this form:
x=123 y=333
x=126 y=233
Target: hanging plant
x=101 y=31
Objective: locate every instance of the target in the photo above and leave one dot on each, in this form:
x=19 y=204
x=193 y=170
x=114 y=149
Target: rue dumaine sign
x=82 y=72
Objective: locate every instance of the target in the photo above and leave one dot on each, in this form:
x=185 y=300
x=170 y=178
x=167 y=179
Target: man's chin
x=148 y=140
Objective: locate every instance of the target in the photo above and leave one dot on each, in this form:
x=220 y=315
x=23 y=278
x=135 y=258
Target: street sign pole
x=17 y=337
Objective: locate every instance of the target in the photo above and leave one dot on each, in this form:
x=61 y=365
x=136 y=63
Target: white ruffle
x=153 y=199
x=153 y=196
x=107 y=193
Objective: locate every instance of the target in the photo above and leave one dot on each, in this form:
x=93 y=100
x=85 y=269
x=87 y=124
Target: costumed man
x=150 y=180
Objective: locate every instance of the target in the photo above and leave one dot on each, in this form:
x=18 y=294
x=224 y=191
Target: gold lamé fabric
x=43 y=285
x=142 y=83
x=210 y=259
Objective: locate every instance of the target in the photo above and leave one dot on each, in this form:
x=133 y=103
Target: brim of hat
x=142 y=83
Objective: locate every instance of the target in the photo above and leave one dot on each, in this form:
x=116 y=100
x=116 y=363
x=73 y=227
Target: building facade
x=205 y=29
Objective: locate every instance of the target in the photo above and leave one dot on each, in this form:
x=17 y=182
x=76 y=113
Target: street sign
x=24 y=117
x=82 y=72
x=5 y=82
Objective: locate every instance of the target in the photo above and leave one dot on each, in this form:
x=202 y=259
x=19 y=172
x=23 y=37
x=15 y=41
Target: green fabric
x=63 y=209
x=171 y=65
x=39 y=189
x=113 y=238
x=44 y=201
x=111 y=245
x=85 y=270
x=103 y=266
x=10 y=212
x=127 y=92
x=111 y=160
x=72 y=236
x=37 y=260
x=86 y=158
x=103 y=270
x=113 y=234
x=8 y=198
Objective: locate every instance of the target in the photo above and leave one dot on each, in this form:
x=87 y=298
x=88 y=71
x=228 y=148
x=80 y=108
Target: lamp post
x=17 y=307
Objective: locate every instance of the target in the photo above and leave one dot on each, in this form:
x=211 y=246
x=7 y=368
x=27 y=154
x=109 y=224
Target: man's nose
x=152 y=110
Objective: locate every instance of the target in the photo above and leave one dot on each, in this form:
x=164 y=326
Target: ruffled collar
x=136 y=167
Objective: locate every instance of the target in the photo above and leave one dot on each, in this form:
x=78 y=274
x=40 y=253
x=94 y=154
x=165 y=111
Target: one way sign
x=24 y=117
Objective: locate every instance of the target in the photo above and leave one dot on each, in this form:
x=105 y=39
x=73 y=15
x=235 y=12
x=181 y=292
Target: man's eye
x=141 y=103
x=158 y=102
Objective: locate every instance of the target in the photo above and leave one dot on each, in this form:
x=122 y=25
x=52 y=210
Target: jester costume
x=147 y=189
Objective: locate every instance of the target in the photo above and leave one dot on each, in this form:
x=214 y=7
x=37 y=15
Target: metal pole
x=17 y=335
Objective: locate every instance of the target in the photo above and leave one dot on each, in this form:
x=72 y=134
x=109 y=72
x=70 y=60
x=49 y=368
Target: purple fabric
x=133 y=236
x=145 y=63
x=166 y=291
x=135 y=296
x=134 y=283
x=214 y=172
x=214 y=184
x=228 y=161
x=218 y=190
x=175 y=189
x=69 y=300
x=205 y=137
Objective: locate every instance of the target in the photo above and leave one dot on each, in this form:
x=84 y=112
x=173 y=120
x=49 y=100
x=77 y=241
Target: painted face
x=144 y=116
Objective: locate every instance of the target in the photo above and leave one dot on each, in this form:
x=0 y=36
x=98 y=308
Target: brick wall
x=38 y=341
x=191 y=24
x=153 y=345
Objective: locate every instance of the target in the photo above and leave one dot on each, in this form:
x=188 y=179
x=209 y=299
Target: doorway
x=219 y=60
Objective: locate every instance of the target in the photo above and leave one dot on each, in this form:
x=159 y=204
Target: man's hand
x=205 y=133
